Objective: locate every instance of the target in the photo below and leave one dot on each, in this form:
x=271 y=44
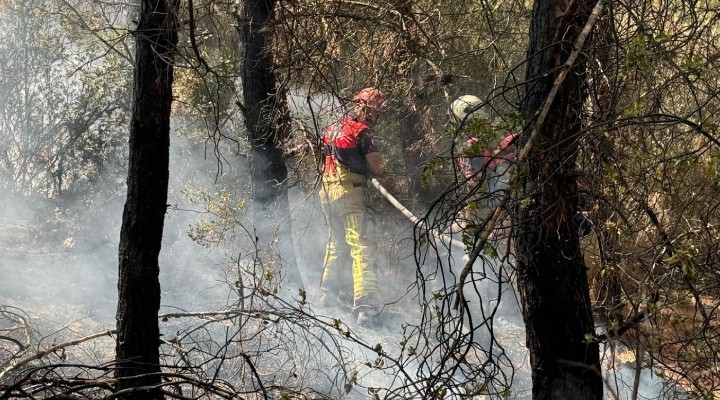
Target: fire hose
x=415 y=220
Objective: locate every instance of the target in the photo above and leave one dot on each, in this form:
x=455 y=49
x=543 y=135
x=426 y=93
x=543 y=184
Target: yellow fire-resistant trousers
x=349 y=222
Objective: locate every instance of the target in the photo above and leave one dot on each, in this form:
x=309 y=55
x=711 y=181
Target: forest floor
x=65 y=287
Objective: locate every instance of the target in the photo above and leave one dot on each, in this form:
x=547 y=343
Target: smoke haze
x=60 y=266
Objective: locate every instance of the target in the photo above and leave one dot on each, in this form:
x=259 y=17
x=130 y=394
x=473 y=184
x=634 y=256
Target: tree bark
x=137 y=348
x=411 y=136
x=552 y=277
x=266 y=118
x=410 y=115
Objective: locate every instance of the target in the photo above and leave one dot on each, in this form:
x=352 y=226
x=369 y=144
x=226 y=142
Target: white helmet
x=465 y=106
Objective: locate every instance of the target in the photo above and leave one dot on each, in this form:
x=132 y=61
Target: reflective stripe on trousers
x=350 y=224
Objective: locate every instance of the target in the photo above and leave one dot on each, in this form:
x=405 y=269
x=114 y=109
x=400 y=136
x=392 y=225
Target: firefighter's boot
x=365 y=316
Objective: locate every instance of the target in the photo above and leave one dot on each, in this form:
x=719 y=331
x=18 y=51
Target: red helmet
x=370 y=97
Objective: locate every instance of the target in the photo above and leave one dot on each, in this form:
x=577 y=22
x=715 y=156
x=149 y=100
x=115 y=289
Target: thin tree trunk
x=266 y=118
x=552 y=276
x=411 y=135
x=137 y=348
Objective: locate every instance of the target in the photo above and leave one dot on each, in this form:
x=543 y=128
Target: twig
x=53 y=349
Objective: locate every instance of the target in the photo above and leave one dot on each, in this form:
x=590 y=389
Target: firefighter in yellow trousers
x=350 y=158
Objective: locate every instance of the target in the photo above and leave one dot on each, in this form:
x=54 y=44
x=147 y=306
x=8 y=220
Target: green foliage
x=223 y=213
x=695 y=65
x=486 y=133
x=491 y=252
x=638 y=54
x=68 y=126
x=210 y=91
x=684 y=257
x=431 y=169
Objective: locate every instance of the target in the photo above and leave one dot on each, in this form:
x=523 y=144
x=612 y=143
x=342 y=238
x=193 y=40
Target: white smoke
x=69 y=286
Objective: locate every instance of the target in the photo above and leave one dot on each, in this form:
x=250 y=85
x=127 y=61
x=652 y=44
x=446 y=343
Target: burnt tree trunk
x=552 y=276
x=137 y=348
x=411 y=137
x=266 y=119
x=411 y=132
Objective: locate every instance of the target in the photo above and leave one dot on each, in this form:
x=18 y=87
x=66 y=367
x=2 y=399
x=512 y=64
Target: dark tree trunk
x=411 y=132
x=552 y=276
x=266 y=117
x=137 y=349
x=415 y=147
x=411 y=135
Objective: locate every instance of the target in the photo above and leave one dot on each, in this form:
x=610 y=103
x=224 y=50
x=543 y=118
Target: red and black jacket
x=347 y=142
x=505 y=152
